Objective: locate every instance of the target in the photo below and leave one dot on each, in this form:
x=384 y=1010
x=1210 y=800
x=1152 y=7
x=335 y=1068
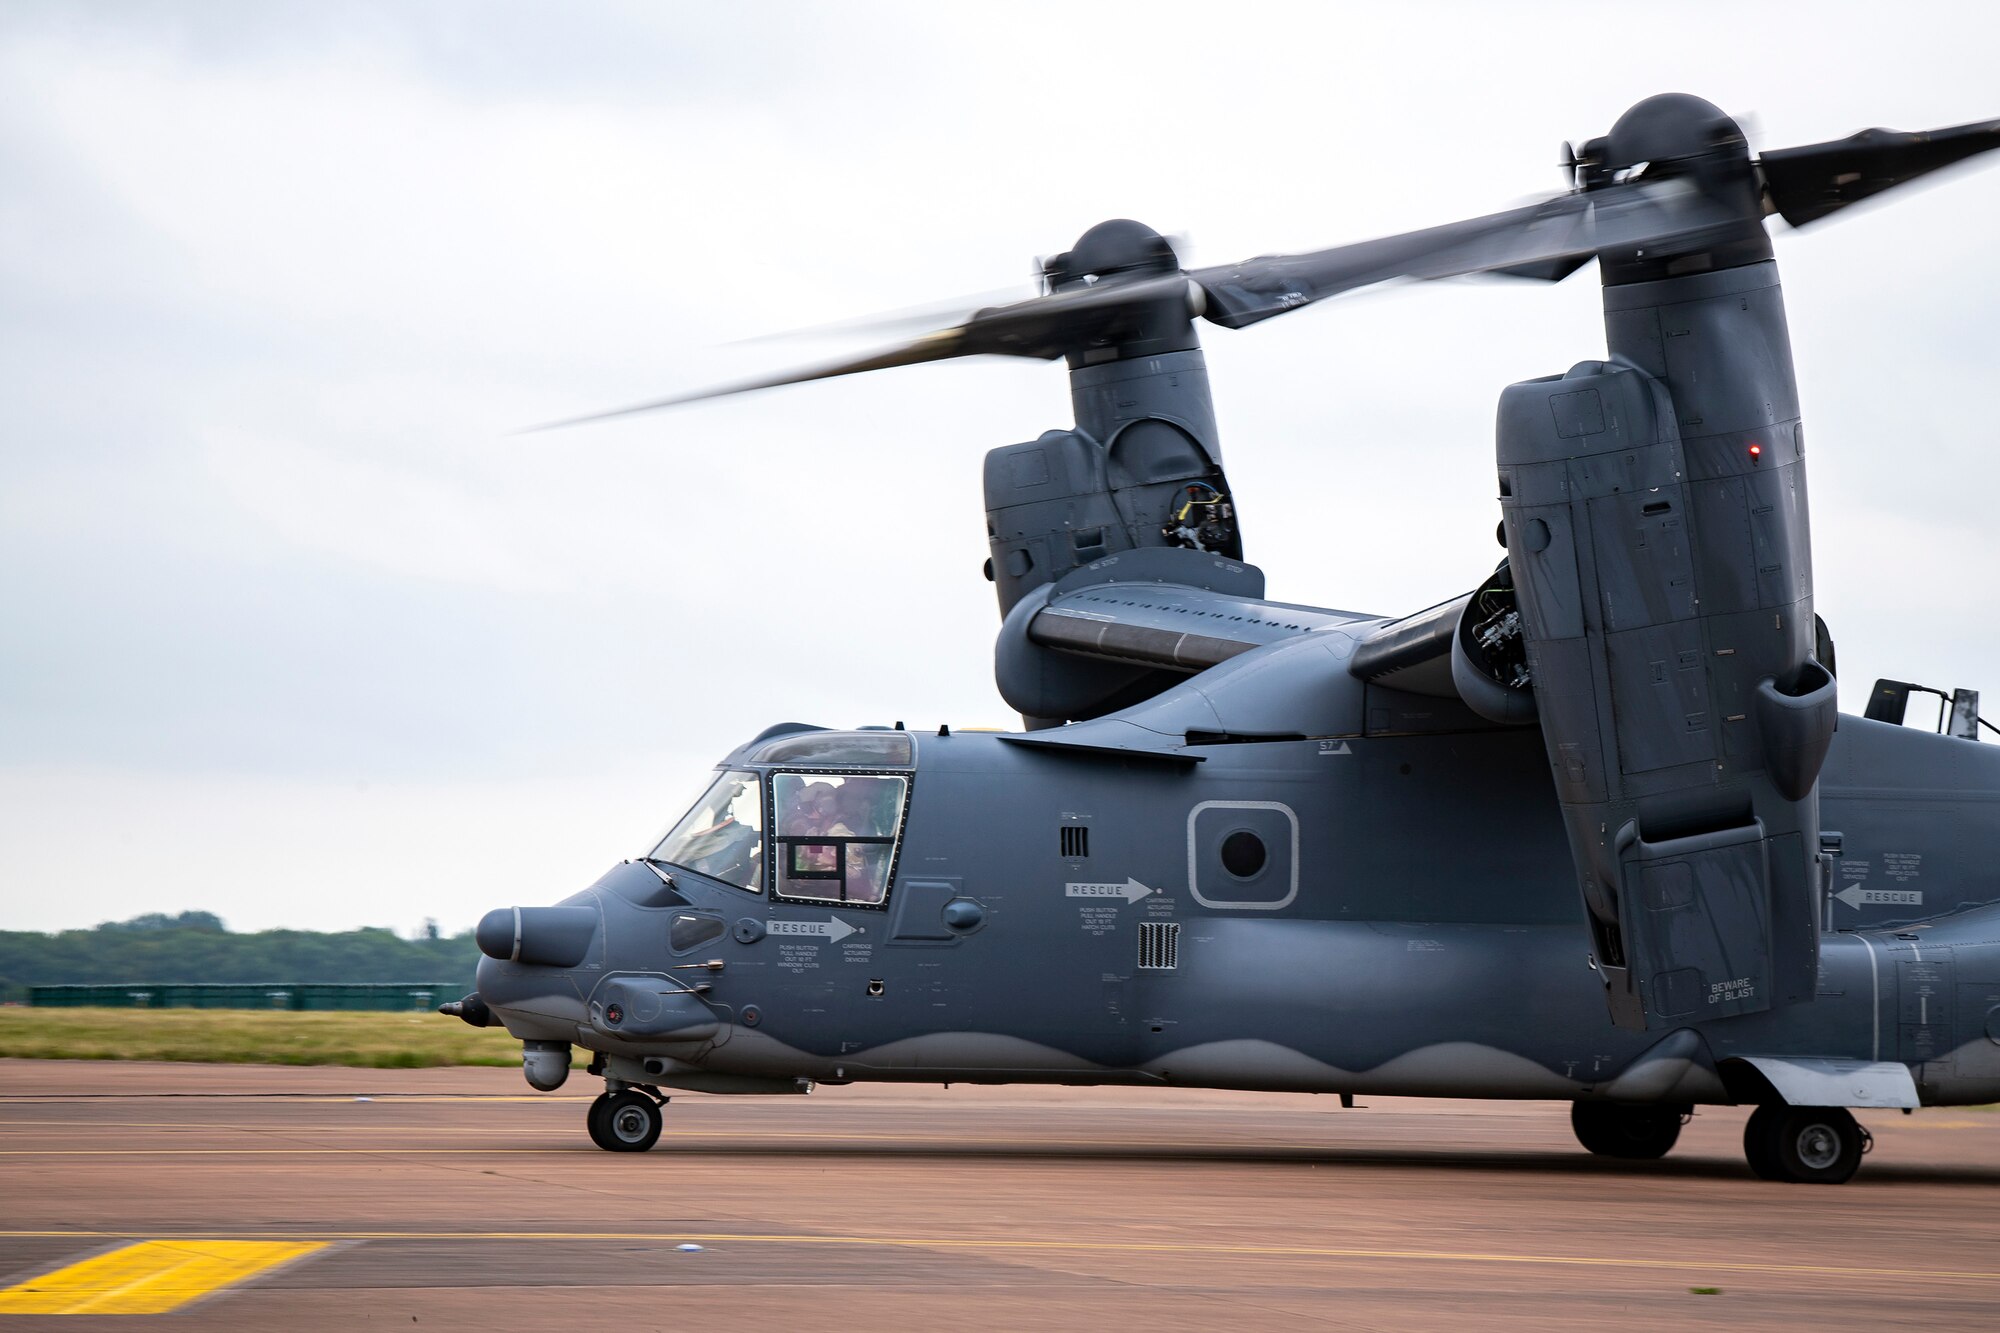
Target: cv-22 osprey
x=1593 y=831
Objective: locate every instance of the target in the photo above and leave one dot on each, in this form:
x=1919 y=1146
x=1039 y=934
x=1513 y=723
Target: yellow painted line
x=1678 y=1263
x=151 y=1277
x=684 y=1135
x=405 y=1099
x=688 y=1136
x=510 y=1127
x=1127 y=1148
x=725 y=1138
x=269 y=1098
x=275 y=1127
x=289 y=1151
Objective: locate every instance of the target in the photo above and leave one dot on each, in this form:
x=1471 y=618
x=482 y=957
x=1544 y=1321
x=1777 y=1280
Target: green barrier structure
x=293 y=995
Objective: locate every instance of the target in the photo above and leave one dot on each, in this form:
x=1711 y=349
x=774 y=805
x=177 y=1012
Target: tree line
x=195 y=946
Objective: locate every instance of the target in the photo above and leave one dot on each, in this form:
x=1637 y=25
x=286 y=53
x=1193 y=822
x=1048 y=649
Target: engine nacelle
x=1120 y=631
x=1489 y=653
x=1140 y=470
x=1664 y=581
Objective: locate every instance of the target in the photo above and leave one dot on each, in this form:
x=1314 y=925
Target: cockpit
x=805 y=816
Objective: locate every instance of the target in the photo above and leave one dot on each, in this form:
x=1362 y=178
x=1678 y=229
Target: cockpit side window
x=723 y=836
x=834 y=838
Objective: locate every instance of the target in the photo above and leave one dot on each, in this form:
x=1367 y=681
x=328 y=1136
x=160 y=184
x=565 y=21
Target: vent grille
x=1075 y=841
x=1159 y=944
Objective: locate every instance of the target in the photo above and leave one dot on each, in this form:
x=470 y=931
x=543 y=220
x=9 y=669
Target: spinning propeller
x=1670 y=187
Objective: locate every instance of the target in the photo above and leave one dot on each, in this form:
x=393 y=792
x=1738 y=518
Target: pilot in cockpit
x=729 y=849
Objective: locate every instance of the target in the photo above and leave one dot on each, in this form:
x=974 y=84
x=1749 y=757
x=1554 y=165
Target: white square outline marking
x=1194 y=884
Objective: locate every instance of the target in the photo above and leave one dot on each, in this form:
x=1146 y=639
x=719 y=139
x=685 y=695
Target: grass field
x=252 y=1036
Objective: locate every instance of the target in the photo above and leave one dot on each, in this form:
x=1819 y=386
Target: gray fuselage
x=1412 y=928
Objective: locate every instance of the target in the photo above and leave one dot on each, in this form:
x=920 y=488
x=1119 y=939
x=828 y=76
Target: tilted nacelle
x=1141 y=474
x=1655 y=518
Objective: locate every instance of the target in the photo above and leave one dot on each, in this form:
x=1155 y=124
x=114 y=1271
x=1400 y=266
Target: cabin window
x=835 y=835
x=1243 y=854
x=723 y=836
x=691 y=930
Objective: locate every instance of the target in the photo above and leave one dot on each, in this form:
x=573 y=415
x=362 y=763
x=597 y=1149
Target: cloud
x=281 y=282
x=390 y=518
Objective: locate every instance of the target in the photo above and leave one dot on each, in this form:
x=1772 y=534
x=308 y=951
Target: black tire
x=594 y=1121
x=631 y=1122
x=1804 y=1145
x=1634 y=1133
x=1757 y=1139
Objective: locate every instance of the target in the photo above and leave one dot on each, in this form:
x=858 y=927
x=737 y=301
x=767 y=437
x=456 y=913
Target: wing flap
x=1170 y=626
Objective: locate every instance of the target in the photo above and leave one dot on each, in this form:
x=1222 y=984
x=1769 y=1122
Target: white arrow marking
x=1854 y=895
x=1131 y=890
x=833 y=928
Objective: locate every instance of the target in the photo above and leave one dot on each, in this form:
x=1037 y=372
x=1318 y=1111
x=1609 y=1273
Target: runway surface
x=460 y=1199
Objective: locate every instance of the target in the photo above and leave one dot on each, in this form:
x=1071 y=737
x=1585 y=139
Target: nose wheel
x=626 y=1121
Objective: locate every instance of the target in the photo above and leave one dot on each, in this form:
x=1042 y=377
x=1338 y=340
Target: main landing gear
x=1803 y=1145
x=627 y=1120
x=1806 y=1145
x=1636 y=1133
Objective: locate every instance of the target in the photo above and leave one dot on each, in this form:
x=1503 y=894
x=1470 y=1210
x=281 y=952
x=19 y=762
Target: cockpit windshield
x=723 y=836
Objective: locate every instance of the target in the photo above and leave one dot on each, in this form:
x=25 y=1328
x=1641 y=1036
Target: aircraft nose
x=539 y=936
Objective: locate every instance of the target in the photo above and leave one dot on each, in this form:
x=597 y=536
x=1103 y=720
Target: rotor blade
x=1547 y=270
x=907 y=320
x=1806 y=184
x=1069 y=321
x=1044 y=327
x=1539 y=240
x=932 y=347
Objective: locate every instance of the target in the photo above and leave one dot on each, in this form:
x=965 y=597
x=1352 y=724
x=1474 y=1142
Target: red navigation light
x=1756 y=452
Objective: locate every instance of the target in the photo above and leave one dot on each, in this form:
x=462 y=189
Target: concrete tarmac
x=461 y=1199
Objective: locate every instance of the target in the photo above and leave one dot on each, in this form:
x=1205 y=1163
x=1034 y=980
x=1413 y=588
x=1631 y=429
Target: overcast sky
x=294 y=630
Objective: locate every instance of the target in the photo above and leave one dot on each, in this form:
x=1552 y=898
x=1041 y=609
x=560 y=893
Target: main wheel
x=630 y=1122
x=1636 y=1133
x=1757 y=1143
x=594 y=1121
x=1806 y=1145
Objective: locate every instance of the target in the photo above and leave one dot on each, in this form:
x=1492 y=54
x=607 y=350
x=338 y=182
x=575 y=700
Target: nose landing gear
x=627 y=1120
